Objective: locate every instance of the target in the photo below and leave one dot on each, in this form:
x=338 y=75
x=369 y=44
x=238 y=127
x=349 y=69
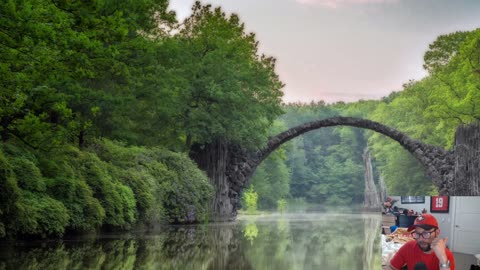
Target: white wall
x=417 y=207
x=465 y=220
x=444 y=220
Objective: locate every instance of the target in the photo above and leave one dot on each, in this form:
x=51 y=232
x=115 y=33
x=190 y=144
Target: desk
x=396 y=241
x=388 y=220
x=388 y=251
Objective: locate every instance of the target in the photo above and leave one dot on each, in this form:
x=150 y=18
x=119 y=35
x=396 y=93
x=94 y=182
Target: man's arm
x=439 y=246
x=451 y=259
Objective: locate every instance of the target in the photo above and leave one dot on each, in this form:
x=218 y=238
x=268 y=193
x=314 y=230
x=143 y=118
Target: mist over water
x=308 y=240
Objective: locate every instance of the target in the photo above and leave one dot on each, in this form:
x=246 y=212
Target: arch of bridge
x=438 y=162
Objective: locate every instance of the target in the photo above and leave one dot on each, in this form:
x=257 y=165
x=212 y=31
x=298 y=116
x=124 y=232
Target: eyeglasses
x=425 y=235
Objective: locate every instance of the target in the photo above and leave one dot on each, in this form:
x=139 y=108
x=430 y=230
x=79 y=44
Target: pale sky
x=346 y=50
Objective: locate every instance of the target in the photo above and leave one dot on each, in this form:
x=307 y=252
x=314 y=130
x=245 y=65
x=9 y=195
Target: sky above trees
x=346 y=50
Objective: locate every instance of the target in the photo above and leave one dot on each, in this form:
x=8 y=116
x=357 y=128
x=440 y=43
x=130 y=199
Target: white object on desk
x=388 y=250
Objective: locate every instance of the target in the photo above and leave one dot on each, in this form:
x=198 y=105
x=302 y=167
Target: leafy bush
x=128 y=165
x=168 y=186
x=86 y=212
x=28 y=175
x=9 y=194
x=66 y=183
x=250 y=199
x=25 y=209
x=116 y=199
x=281 y=205
x=39 y=214
x=188 y=192
x=108 y=184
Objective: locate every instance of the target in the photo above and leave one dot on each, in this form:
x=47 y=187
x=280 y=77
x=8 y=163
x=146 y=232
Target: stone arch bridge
x=230 y=168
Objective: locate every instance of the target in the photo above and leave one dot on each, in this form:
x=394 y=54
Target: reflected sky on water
x=276 y=241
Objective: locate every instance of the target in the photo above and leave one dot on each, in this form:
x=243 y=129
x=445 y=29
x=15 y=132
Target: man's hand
x=439 y=246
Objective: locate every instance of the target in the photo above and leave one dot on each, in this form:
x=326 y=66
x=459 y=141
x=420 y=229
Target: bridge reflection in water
x=288 y=241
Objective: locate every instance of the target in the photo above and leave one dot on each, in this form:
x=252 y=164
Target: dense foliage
x=326 y=166
x=230 y=92
x=430 y=110
x=92 y=95
x=323 y=166
x=107 y=185
x=72 y=72
x=272 y=178
x=68 y=68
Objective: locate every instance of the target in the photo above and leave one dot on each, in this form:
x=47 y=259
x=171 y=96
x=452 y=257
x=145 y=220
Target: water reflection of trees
x=372 y=258
x=329 y=243
x=332 y=243
x=198 y=247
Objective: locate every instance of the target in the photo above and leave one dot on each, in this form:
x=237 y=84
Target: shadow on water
x=277 y=241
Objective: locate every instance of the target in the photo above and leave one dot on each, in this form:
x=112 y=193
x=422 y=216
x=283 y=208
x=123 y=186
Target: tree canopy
x=100 y=101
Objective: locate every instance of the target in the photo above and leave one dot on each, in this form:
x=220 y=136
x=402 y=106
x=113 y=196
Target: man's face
x=424 y=237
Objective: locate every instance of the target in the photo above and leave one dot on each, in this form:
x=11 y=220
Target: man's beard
x=424 y=249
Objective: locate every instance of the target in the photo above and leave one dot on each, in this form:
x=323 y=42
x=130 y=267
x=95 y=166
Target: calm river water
x=314 y=240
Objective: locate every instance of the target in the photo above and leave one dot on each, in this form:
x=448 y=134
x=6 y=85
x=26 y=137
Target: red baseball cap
x=424 y=220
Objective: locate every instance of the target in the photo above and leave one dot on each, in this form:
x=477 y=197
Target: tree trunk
x=467 y=161
x=371 y=197
x=213 y=159
x=372 y=235
x=383 y=190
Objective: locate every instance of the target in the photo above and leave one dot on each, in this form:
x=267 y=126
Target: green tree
x=442 y=50
x=281 y=205
x=403 y=174
x=326 y=164
x=250 y=199
x=272 y=177
x=68 y=68
x=456 y=84
x=430 y=110
x=230 y=92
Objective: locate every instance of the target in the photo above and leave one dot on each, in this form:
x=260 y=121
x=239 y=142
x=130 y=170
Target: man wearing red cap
x=428 y=251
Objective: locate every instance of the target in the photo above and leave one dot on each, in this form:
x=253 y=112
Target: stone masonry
x=439 y=163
